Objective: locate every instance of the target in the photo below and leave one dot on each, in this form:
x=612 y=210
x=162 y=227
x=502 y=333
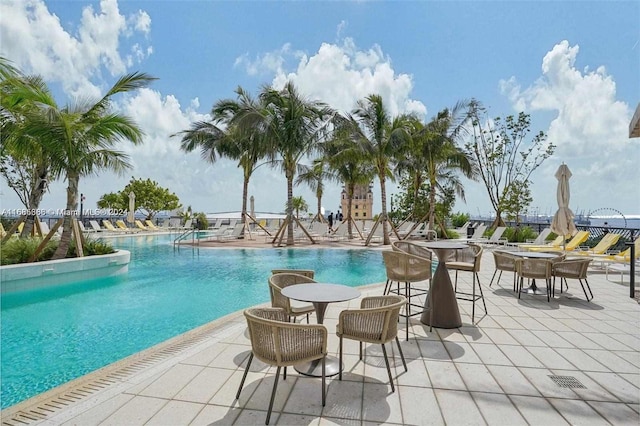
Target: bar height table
x=442 y=295
x=320 y=295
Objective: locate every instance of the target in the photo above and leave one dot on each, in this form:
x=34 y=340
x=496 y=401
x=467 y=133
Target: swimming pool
x=52 y=336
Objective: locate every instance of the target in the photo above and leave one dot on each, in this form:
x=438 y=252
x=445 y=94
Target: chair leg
x=482 y=294
x=520 y=287
x=492 y=277
x=273 y=395
x=340 y=360
x=455 y=287
x=499 y=277
x=386 y=361
x=401 y=354
x=407 y=292
x=548 y=283
x=284 y=376
x=473 y=297
x=585 y=291
x=244 y=376
x=360 y=350
x=387 y=287
x=324 y=380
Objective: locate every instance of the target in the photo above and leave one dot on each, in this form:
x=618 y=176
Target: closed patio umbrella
x=131 y=214
x=562 y=223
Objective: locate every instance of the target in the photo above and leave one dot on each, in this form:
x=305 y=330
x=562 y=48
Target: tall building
x=361 y=204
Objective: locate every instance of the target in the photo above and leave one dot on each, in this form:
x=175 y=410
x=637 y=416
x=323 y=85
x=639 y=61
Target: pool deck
x=496 y=372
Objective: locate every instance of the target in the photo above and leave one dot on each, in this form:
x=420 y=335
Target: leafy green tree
x=314 y=177
x=503 y=154
x=23 y=162
x=516 y=200
x=293 y=128
x=347 y=164
x=383 y=139
x=299 y=204
x=151 y=198
x=444 y=160
x=79 y=141
x=241 y=139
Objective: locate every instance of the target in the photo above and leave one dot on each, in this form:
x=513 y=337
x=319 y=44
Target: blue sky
x=574 y=66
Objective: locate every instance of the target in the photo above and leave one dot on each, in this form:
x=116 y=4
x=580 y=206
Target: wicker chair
x=412 y=248
x=468 y=259
x=409 y=269
x=279 y=281
x=309 y=273
x=375 y=322
x=533 y=268
x=279 y=343
x=504 y=262
x=575 y=269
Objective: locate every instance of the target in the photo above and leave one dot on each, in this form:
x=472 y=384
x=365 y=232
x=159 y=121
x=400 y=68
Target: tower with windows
x=361 y=203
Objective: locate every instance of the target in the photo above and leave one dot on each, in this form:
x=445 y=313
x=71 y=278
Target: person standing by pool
x=340 y=216
x=330 y=219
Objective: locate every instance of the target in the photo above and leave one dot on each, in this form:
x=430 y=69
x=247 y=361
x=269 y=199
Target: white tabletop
x=320 y=292
x=435 y=245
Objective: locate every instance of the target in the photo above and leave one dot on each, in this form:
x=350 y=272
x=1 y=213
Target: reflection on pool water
x=52 y=336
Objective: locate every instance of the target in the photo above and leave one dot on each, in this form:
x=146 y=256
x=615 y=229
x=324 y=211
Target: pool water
x=52 y=336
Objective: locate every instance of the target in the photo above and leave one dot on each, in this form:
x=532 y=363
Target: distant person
x=339 y=216
x=330 y=219
x=606 y=228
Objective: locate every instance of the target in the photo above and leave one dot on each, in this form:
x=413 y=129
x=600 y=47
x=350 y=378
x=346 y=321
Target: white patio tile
x=537 y=411
x=477 y=378
x=176 y=413
x=344 y=400
x=136 y=411
x=216 y=414
x=616 y=413
x=500 y=337
x=552 y=339
x=444 y=375
x=577 y=412
x=462 y=352
x=204 y=385
x=578 y=340
x=621 y=388
x=498 y=409
x=512 y=381
x=306 y=397
x=458 y=407
x=97 y=414
x=526 y=338
x=581 y=360
x=519 y=356
x=172 y=382
x=539 y=377
x=592 y=390
x=380 y=404
x=490 y=354
x=419 y=406
x=612 y=360
x=550 y=358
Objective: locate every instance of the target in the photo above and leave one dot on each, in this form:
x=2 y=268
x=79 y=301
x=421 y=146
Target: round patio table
x=320 y=295
x=533 y=288
x=441 y=295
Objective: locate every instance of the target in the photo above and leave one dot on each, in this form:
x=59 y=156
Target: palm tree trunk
x=383 y=194
x=432 y=203
x=319 y=206
x=37 y=192
x=290 y=209
x=350 y=189
x=69 y=215
x=245 y=193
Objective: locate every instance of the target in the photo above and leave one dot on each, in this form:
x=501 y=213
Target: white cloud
x=35 y=40
x=340 y=75
x=590 y=130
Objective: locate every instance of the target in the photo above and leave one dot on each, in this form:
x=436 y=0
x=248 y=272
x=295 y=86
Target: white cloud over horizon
x=590 y=129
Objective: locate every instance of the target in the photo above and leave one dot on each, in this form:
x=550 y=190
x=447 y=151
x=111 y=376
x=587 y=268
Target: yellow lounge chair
x=553 y=244
x=123 y=226
x=579 y=238
x=107 y=224
x=605 y=244
x=622 y=257
x=151 y=226
x=141 y=226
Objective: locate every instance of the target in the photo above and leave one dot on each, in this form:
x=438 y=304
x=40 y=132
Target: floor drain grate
x=567 y=382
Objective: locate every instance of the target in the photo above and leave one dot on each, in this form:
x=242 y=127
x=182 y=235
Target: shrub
x=92 y=247
x=523 y=234
x=20 y=250
x=459 y=219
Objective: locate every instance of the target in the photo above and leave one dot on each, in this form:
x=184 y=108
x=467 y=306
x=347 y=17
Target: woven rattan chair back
x=412 y=248
x=468 y=260
x=281 y=344
x=504 y=261
x=309 y=273
x=573 y=269
x=375 y=322
x=279 y=281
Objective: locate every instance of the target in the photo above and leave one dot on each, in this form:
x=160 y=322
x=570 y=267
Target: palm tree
x=79 y=141
x=440 y=153
x=293 y=127
x=241 y=140
x=314 y=177
x=299 y=204
x=384 y=139
x=23 y=162
x=347 y=164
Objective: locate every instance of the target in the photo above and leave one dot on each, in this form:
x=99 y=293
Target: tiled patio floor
x=496 y=372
